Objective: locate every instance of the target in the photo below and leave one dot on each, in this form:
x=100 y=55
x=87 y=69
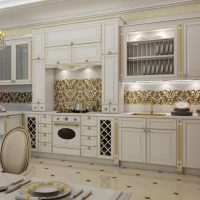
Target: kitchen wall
x=164 y=94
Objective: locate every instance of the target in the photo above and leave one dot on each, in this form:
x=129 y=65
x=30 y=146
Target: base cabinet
x=161 y=147
x=191 y=138
x=13 y=121
x=148 y=143
x=133 y=142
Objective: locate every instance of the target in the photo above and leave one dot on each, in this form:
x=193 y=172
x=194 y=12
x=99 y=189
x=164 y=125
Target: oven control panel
x=67 y=119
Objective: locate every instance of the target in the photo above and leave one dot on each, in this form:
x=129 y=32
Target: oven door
x=67 y=136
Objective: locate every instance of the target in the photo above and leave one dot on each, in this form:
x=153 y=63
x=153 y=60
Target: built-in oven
x=66 y=135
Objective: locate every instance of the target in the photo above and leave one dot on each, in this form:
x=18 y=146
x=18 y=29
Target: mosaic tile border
x=15 y=97
x=162 y=97
x=69 y=93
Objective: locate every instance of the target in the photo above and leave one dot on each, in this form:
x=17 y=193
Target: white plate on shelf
x=170 y=68
x=148 y=69
x=157 y=48
x=167 y=68
x=161 y=48
x=152 y=69
x=171 y=47
x=161 y=68
x=166 y=48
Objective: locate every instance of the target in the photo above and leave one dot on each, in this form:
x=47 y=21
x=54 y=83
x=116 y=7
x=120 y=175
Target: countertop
x=100 y=114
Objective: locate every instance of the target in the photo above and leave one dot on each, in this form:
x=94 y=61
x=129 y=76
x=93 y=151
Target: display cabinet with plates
x=150 y=53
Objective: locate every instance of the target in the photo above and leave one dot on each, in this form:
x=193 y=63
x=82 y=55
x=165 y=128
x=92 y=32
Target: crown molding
x=22 y=21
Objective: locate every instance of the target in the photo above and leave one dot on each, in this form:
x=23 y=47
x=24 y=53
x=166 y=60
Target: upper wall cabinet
x=110 y=36
x=79 y=33
x=191 y=50
x=15 y=62
x=38 y=45
x=150 y=53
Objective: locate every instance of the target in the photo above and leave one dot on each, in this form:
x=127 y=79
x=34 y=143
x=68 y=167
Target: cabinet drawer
x=89 y=121
x=161 y=124
x=89 y=141
x=43 y=137
x=89 y=131
x=45 y=147
x=132 y=122
x=89 y=151
x=45 y=128
x=45 y=119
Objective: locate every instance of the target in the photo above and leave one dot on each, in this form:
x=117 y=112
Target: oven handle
x=71 y=124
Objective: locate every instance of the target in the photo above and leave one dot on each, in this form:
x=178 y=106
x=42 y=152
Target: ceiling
x=15 y=13
x=14 y=3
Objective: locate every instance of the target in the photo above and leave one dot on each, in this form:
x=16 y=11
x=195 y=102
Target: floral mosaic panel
x=15 y=97
x=69 y=93
x=162 y=97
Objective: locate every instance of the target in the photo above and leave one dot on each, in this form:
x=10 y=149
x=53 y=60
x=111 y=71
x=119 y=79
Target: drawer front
x=89 y=131
x=45 y=147
x=43 y=137
x=66 y=119
x=45 y=119
x=132 y=123
x=89 y=151
x=89 y=121
x=45 y=128
x=168 y=124
x=89 y=141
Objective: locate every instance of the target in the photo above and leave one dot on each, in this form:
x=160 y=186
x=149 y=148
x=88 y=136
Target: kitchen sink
x=150 y=114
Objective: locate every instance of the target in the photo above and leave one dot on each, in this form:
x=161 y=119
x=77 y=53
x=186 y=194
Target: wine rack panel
x=105 y=138
x=32 y=130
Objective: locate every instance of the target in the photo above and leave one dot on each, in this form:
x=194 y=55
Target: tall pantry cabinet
x=42 y=86
x=110 y=65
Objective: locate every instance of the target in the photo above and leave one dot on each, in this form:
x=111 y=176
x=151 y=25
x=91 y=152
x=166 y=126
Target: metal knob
x=89 y=128
x=75 y=119
x=57 y=118
x=109 y=52
x=89 y=118
x=38 y=58
x=71 y=43
x=89 y=148
x=86 y=60
x=66 y=118
x=58 y=62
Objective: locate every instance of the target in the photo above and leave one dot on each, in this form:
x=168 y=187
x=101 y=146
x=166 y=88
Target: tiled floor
x=142 y=184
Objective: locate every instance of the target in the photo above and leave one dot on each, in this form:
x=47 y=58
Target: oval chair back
x=15 y=151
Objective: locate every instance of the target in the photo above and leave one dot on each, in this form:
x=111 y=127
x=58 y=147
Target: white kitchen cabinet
x=42 y=88
x=38 y=47
x=72 y=55
x=148 y=140
x=58 y=55
x=110 y=37
x=150 y=53
x=79 y=33
x=38 y=102
x=133 y=142
x=13 y=121
x=191 y=147
x=87 y=53
x=191 y=50
x=15 y=62
x=161 y=147
x=110 y=77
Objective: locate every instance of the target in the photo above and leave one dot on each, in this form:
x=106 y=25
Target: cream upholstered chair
x=15 y=151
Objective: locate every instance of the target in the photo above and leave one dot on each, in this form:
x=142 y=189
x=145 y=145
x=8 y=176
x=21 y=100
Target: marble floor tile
x=143 y=184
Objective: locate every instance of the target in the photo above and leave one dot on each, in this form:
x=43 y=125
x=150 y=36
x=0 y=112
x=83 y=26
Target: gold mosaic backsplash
x=162 y=97
x=69 y=93
x=15 y=97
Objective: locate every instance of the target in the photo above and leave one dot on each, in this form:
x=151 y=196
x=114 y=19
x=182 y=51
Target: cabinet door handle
x=114 y=109
x=86 y=60
x=89 y=148
x=71 y=43
x=89 y=128
x=38 y=58
x=88 y=118
x=58 y=62
x=105 y=109
x=89 y=138
x=110 y=52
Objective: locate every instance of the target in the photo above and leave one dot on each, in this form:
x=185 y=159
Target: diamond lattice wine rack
x=105 y=137
x=32 y=129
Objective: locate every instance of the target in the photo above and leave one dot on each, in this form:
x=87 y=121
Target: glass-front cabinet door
x=15 y=62
x=5 y=64
x=150 y=53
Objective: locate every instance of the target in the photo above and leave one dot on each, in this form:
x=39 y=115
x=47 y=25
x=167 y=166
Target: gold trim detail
x=180 y=50
x=179 y=163
x=162 y=97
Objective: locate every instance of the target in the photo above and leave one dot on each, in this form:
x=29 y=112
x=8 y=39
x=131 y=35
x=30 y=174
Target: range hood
x=77 y=66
